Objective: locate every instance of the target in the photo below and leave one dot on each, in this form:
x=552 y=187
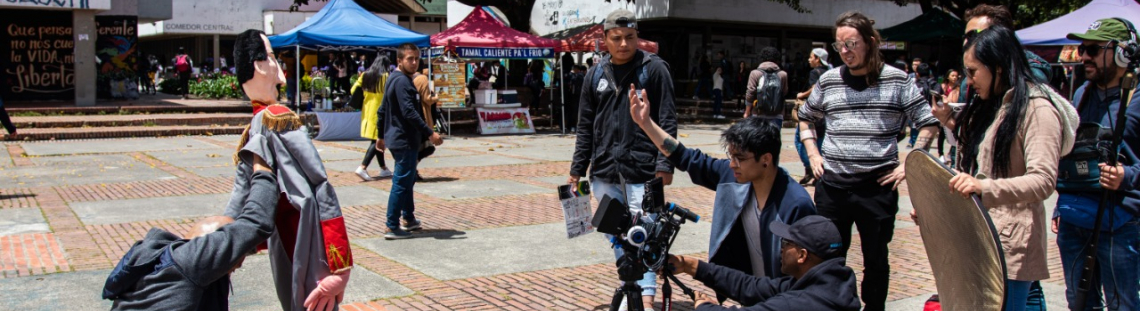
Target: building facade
x=70 y=50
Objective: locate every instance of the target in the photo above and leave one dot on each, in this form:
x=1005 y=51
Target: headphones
x=1126 y=49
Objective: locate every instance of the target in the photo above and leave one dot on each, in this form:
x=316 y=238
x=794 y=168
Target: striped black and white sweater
x=863 y=121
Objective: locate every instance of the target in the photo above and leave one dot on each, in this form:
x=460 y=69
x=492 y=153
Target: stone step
x=90 y=121
x=123 y=131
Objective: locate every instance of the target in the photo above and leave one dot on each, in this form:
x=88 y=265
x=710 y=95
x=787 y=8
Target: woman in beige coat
x=1010 y=139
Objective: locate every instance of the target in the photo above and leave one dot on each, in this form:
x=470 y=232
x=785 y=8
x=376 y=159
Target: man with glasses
x=864 y=104
x=751 y=190
x=816 y=276
x=1098 y=101
x=614 y=149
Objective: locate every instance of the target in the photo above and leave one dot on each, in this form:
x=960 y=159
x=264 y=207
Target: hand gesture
x=573 y=181
x=700 y=298
x=380 y=145
x=329 y=292
x=638 y=106
x=943 y=112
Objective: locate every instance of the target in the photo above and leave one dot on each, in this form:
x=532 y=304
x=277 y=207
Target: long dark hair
x=866 y=28
x=998 y=49
x=370 y=81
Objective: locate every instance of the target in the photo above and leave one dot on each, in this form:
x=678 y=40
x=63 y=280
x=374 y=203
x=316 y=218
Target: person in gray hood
x=166 y=272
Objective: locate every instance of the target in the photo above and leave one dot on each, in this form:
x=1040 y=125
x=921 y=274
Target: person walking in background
x=533 y=82
x=372 y=83
x=342 y=72
x=741 y=81
x=718 y=92
x=763 y=88
x=818 y=61
x=144 y=73
x=184 y=66
x=403 y=130
x=7 y=121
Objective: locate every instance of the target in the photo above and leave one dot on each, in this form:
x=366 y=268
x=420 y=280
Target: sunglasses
x=1092 y=50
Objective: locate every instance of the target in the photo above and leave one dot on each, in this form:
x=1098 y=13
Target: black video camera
x=645 y=237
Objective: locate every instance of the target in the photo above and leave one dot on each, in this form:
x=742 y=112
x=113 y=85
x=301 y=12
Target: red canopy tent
x=480 y=29
x=586 y=40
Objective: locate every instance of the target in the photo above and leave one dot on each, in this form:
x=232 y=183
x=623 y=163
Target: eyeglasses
x=850 y=44
x=1092 y=49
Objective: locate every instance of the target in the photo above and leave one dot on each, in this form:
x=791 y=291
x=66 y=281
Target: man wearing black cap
x=817 y=276
x=609 y=143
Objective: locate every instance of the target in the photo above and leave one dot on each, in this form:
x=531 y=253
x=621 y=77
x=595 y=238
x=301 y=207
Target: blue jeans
x=718 y=101
x=400 y=202
x=1117 y=261
x=635 y=192
x=913 y=134
x=802 y=150
x=1016 y=295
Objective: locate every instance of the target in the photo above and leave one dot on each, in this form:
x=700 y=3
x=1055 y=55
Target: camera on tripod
x=644 y=238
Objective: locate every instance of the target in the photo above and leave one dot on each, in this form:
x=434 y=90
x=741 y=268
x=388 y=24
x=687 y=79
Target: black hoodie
x=608 y=139
x=827 y=286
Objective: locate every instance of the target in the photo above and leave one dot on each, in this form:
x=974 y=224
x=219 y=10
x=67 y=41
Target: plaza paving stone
x=492 y=237
x=22 y=220
x=113 y=146
x=78 y=170
x=133 y=210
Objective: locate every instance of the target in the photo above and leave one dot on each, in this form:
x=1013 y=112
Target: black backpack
x=767 y=94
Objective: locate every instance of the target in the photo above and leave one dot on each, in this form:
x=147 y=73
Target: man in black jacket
x=609 y=143
x=817 y=277
x=402 y=130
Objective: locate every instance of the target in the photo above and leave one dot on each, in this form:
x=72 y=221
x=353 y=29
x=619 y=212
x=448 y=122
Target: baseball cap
x=1106 y=29
x=620 y=18
x=815 y=233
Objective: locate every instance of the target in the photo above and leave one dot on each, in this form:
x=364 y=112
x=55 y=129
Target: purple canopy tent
x=1053 y=32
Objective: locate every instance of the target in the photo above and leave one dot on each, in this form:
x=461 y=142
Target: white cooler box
x=486 y=97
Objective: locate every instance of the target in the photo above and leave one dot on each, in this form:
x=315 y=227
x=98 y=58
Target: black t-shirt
x=816 y=72
x=858 y=83
x=620 y=71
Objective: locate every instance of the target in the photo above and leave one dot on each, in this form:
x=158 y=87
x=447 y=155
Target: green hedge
x=216 y=86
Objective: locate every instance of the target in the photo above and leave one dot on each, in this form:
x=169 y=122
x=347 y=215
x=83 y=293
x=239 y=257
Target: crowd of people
x=1014 y=141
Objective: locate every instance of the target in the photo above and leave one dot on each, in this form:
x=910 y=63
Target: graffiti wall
x=36 y=55
x=116 y=52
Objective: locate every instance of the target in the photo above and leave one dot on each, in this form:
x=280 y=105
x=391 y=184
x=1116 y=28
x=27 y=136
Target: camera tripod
x=629 y=273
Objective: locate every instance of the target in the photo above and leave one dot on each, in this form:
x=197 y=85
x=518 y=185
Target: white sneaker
x=363 y=174
x=384 y=173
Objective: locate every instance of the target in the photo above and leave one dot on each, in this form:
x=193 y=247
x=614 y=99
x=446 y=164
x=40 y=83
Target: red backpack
x=182 y=63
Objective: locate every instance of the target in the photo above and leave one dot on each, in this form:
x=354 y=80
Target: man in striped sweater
x=865 y=105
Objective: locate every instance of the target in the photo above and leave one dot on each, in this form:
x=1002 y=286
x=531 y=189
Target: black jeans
x=871 y=208
x=373 y=153
x=184 y=82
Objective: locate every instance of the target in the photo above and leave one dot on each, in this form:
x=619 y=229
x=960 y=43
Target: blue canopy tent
x=343 y=23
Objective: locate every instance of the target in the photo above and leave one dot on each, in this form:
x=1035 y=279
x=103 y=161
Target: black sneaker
x=397 y=234
x=410 y=226
x=419 y=177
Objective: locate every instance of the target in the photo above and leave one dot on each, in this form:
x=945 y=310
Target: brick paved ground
x=72 y=245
